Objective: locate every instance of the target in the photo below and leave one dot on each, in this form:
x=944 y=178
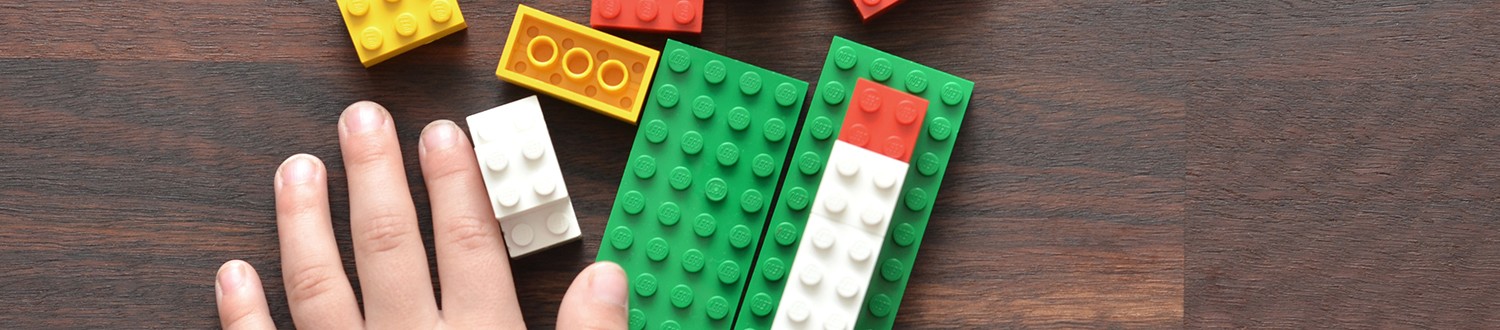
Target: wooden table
x=1134 y=164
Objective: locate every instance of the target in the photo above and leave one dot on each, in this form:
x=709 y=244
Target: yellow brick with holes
x=578 y=64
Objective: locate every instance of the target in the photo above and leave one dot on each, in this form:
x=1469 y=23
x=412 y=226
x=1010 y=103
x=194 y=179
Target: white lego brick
x=540 y=228
x=520 y=171
x=859 y=185
x=836 y=256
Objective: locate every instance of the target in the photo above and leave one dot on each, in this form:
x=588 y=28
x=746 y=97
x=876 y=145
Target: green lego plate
x=713 y=140
x=948 y=97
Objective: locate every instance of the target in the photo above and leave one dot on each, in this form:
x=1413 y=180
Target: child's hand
x=474 y=269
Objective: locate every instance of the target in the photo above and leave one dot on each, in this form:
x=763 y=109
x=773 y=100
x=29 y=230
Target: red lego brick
x=681 y=16
x=883 y=119
x=871 y=8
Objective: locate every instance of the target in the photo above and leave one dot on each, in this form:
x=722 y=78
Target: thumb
x=596 y=300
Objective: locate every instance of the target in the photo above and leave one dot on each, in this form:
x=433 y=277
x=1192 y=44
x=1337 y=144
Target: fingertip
x=298 y=169
x=362 y=116
x=607 y=283
x=439 y=135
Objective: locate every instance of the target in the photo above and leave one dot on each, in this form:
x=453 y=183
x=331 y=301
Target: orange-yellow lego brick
x=382 y=29
x=577 y=64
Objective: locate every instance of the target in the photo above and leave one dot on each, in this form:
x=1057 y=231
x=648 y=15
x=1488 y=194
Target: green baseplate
x=948 y=97
x=715 y=133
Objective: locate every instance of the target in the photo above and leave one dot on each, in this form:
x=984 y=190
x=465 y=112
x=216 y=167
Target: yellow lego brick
x=382 y=29
x=577 y=64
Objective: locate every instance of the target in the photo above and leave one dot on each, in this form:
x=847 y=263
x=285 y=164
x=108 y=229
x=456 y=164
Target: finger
x=388 y=248
x=473 y=267
x=316 y=287
x=596 y=300
x=242 y=302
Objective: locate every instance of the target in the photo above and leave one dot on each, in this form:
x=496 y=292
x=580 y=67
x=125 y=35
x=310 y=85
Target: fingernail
x=297 y=169
x=608 y=284
x=230 y=277
x=365 y=117
x=440 y=135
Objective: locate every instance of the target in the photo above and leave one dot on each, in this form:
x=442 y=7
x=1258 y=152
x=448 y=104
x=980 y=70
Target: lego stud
x=645 y=166
x=809 y=163
x=928 y=164
x=775 y=130
x=872 y=217
x=848 y=167
x=671 y=325
x=577 y=63
x=834 y=203
x=916 y=81
x=880 y=305
x=952 y=93
x=786 y=233
x=692 y=142
x=406 y=24
x=522 y=235
x=609 y=8
x=869 y=100
x=904 y=234
x=714 y=72
x=786 y=94
x=682 y=296
x=668 y=214
x=729 y=272
x=892 y=269
x=703 y=107
x=739 y=118
x=508 y=198
x=679 y=60
x=916 y=199
x=716 y=189
x=847 y=288
x=646 y=10
x=833 y=93
x=440 y=11
x=760 y=304
x=544 y=187
x=371 y=39
x=692 y=260
x=812 y=275
x=612 y=76
x=797 y=199
x=894 y=147
x=940 y=128
x=824 y=238
x=718 y=307
x=637 y=319
x=533 y=150
x=657 y=249
x=834 y=322
x=541 y=51
x=773 y=270
x=496 y=162
x=860 y=252
x=558 y=223
x=633 y=202
x=880 y=69
x=750 y=83
x=621 y=238
x=359 y=7
x=685 y=12
x=705 y=225
x=645 y=285
x=906 y=112
x=857 y=135
x=764 y=165
x=740 y=237
x=845 y=58
x=799 y=312
x=885 y=180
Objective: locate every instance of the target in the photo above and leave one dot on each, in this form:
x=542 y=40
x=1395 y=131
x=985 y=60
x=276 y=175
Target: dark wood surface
x=1125 y=164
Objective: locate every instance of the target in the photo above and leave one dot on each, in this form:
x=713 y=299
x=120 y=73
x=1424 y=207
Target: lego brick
x=847 y=62
x=383 y=29
x=869 y=9
x=836 y=257
x=703 y=169
x=680 y=16
x=522 y=178
x=577 y=64
x=886 y=121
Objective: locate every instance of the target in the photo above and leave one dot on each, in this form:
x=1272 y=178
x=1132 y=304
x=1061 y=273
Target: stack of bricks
x=522 y=178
